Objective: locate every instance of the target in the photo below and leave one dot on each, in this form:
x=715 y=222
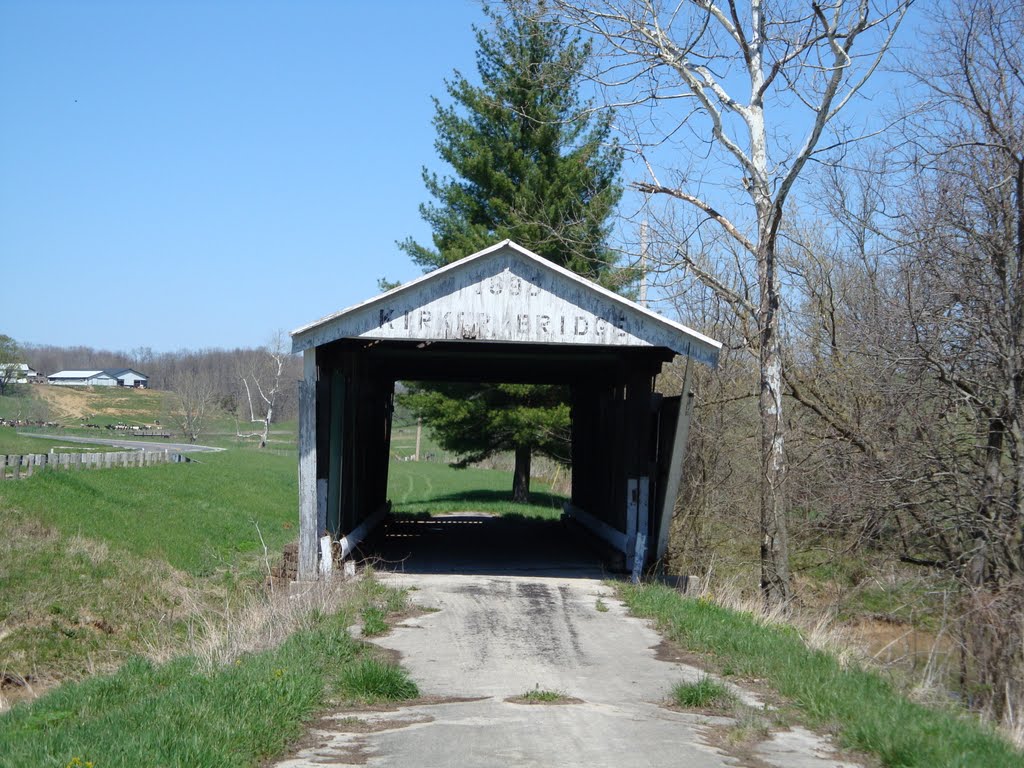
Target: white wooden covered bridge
x=501 y=315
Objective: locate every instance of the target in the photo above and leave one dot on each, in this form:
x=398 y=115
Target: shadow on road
x=469 y=543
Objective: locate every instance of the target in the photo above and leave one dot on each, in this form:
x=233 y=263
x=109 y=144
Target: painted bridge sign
x=507 y=294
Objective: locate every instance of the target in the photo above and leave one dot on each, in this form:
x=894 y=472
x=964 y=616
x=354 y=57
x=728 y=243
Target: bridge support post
x=308 y=518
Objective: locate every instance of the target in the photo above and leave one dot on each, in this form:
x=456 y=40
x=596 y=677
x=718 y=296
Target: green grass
x=601 y=606
x=371 y=681
x=374 y=622
x=705 y=693
x=95 y=565
x=865 y=710
x=538 y=695
x=428 y=487
x=200 y=517
x=182 y=714
x=71 y=605
x=403 y=444
x=20 y=402
x=13 y=443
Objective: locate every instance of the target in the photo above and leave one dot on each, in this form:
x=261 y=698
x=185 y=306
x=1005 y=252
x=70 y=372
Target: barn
x=504 y=314
x=110 y=377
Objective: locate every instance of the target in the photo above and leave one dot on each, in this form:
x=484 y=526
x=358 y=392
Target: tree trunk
x=521 y=476
x=775 y=586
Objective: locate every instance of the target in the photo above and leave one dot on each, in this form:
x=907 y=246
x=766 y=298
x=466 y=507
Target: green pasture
x=13 y=443
x=417 y=487
x=201 y=517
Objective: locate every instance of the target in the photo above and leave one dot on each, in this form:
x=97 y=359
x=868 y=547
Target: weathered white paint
x=599 y=528
x=321 y=506
x=352 y=540
x=326 y=558
x=308 y=532
x=675 y=467
x=507 y=294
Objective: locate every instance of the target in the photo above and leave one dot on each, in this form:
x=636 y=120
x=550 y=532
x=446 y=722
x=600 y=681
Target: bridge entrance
x=501 y=315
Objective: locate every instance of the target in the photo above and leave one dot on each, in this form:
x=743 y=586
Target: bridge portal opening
x=502 y=315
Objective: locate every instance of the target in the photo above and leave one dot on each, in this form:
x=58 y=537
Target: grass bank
x=208 y=710
x=97 y=566
x=864 y=710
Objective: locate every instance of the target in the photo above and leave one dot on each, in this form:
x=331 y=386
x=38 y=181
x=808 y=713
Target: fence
x=14 y=466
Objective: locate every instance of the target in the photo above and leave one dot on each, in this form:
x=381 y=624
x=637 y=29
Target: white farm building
x=111 y=377
x=18 y=373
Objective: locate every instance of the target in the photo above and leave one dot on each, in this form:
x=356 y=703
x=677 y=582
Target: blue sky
x=195 y=174
x=185 y=174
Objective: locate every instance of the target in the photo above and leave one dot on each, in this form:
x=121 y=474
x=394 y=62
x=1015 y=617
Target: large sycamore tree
x=758 y=88
x=531 y=165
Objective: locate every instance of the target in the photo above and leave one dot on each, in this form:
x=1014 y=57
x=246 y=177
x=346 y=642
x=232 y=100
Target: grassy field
x=200 y=517
x=13 y=443
x=157 y=573
x=97 y=565
x=430 y=487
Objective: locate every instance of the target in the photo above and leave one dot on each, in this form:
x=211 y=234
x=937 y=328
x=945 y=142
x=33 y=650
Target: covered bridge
x=501 y=315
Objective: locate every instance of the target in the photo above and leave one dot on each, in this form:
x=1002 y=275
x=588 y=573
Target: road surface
x=493 y=633
x=139 y=445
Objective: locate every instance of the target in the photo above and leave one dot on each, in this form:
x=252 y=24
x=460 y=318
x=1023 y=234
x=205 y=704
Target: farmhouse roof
x=74 y=374
x=507 y=293
x=119 y=372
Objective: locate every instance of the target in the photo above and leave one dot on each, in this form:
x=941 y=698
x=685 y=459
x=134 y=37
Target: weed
x=749 y=726
x=370 y=681
x=706 y=693
x=601 y=605
x=538 y=695
x=373 y=621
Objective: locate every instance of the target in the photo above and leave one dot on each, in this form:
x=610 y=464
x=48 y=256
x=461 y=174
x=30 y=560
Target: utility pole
x=643 y=263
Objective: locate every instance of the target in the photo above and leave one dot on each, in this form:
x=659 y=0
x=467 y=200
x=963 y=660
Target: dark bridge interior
x=466 y=542
x=616 y=416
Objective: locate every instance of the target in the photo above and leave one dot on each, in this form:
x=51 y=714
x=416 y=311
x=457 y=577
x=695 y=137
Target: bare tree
x=916 y=360
x=742 y=80
x=964 y=272
x=261 y=375
x=194 y=399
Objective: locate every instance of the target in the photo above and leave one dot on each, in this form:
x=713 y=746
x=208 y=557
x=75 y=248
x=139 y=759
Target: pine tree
x=529 y=165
